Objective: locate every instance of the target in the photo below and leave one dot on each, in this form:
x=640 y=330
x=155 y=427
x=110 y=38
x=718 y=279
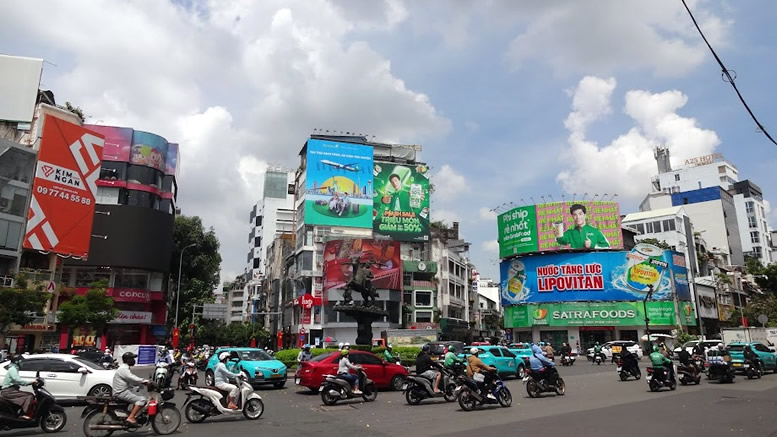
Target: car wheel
x=100 y=390
x=209 y=377
x=397 y=382
x=279 y=384
x=521 y=372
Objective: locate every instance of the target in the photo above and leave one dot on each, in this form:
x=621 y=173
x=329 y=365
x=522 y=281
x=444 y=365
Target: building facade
x=752 y=221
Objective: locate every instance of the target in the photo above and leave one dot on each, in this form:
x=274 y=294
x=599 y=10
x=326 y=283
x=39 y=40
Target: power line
x=727 y=76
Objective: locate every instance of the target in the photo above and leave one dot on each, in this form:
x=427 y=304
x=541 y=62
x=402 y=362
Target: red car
x=386 y=375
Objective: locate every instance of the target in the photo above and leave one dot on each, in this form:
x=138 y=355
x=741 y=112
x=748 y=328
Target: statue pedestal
x=364 y=317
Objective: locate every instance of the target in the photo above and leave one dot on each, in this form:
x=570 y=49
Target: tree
x=216 y=332
x=765 y=304
x=767 y=278
x=753 y=266
x=199 y=269
x=76 y=110
x=93 y=309
x=20 y=304
x=655 y=242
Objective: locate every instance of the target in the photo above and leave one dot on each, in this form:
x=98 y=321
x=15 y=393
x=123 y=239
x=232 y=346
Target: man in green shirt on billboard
x=582 y=235
x=400 y=198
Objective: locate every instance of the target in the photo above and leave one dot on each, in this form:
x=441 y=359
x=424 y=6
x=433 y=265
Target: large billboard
x=118 y=141
x=401 y=201
x=148 y=149
x=338 y=187
x=64 y=189
x=595 y=276
x=578 y=225
x=597 y=314
x=339 y=256
x=19 y=87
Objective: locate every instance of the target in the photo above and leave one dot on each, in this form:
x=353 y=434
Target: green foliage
x=94 y=308
x=656 y=242
x=289 y=356
x=199 y=269
x=217 y=333
x=767 y=278
x=683 y=337
x=766 y=304
x=76 y=110
x=20 y=305
x=407 y=354
x=753 y=266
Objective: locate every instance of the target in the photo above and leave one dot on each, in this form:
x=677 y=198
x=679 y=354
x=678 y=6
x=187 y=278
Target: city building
x=456 y=299
x=273 y=215
x=752 y=220
x=488 y=308
x=237 y=298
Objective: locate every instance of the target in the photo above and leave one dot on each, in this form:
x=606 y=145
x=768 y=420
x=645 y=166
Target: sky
x=513 y=101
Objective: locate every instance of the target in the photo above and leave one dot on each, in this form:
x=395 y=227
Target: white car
x=632 y=347
x=706 y=344
x=66 y=376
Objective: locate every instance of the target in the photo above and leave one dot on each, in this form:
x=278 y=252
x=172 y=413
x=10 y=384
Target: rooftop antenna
x=551 y=198
x=573 y=196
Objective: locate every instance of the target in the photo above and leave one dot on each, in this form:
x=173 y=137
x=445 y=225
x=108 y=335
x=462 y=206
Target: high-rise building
x=751 y=217
x=272 y=216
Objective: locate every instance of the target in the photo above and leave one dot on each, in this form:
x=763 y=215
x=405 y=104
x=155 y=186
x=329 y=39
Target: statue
x=361 y=281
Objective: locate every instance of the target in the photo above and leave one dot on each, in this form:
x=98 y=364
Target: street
x=595 y=400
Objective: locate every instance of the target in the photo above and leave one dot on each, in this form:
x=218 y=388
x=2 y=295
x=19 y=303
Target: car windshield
x=736 y=348
x=88 y=364
x=690 y=344
x=255 y=355
x=322 y=357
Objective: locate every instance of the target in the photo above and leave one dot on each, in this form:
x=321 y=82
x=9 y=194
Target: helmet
x=721 y=345
x=347 y=345
x=473 y=350
x=307 y=346
x=107 y=350
x=129 y=358
x=655 y=348
x=340 y=346
x=223 y=356
x=596 y=344
x=425 y=348
x=16 y=359
x=536 y=349
x=344 y=352
x=388 y=347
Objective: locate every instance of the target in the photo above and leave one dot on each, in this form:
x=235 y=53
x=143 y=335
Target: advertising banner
x=118 y=141
x=138 y=317
x=64 y=189
x=594 y=276
x=596 y=314
x=171 y=164
x=338 y=188
x=383 y=255
x=148 y=149
x=401 y=201
x=578 y=225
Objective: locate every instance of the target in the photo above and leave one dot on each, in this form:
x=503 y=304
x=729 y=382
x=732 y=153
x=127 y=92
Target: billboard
x=577 y=225
x=338 y=187
x=148 y=149
x=118 y=141
x=338 y=266
x=401 y=201
x=19 y=87
x=597 y=314
x=63 y=191
x=594 y=276
x=171 y=164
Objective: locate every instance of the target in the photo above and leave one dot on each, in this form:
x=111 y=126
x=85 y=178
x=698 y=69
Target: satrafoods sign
x=596 y=314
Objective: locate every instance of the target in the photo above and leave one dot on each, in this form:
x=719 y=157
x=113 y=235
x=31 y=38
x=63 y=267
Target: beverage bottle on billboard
x=415 y=195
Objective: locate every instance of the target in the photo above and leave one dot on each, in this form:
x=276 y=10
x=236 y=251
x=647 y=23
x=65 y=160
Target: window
x=113 y=171
x=423 y=317
x=10 y=233
x=86 y=277
x=752 y=222
x=749 y=207
x=33 y=365
x=368 y=359
x=407 y=297
x=640 y=228
x=13 y=200
x=668 y=225
x=754 y=237
x=656 y=227
x=259 y=220
x=758 y=251
x=496 y=352
x=127 y=278
x=677 y=177
x=722 y=169
x=17 y=164
x=275 y=185
x=258 y=242
x=423 y=298
x=761 y=348
x=138 y=174
x=142 y=199
x=62 y=366
x=507 y=353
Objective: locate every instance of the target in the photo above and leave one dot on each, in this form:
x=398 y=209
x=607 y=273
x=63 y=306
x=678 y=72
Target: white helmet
x=721 y=345
x=347 y=345
x=473 y=351
x=223 y=356
x=340 y=346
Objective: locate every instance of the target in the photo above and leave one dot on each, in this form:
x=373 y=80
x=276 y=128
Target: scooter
x=103 y=416
x=720 y=370
x=543 y=381
x=657 y=377
x=753 y=370
x=213 y=402
x=334 y=388
x=689 y=375
x=567 y=360
x=161 y=373
x=597 y=359
x=47 y=414
x=189 y=376
x=418 y=388
x=627 y=369
x=471 y=394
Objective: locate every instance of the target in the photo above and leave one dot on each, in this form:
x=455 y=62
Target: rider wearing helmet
x=597 y=351
x=476 y=365
x=388 y=355
x=10 y=389
x=344 y=368
x=451 y=358
x=304 y=354
x=425 y=367
x=123 y=383
x=221 y=377
x=658 y=359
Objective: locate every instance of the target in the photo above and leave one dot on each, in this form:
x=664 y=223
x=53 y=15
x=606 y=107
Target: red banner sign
x=383 y=255
x=64 y=189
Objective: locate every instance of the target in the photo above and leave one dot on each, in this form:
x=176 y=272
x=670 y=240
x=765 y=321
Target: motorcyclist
x=548 y=349
x=698 y=350
x=185 y=359
x=566 y=350
x=304 y=354
x=344 y=371
x=658 y=359
x=597 y=352
x=539 y=362
x=388 y=355
x=629 y=360
x=685 y=361
x=221 y=376
x=123 y=383
x=476 y=365
x=165 y=357
x=107 y=356
x=451 y=358
x=10 y=388
x=425 y=367
x=751 y=357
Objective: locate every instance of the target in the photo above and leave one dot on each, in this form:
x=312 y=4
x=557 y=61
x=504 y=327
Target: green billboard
x=517 y=231
x=596 y=314
x=401 y=201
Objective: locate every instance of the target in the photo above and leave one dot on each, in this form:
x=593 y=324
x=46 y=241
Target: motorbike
x=46 y=413
x=657 y=377
x=720 y=371
x=103 y=416
x=753 y=370
x=567 y=360
x=598 y=359
x=543 y=381
x=161 y=374
x=418 y=388
x=688 y=375
x=213 y=402
x=202 y=364
x=189 y=375
x=334 y=388
x=471 y=393
x=627 y=370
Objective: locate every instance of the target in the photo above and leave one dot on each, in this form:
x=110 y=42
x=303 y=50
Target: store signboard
x=597 y=314
x=134 y=317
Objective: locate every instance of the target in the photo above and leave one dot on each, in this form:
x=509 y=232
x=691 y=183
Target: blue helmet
x=536 y=349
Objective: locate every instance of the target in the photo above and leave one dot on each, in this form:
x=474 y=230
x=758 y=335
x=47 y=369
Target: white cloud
x=616 y=167
x=490 y=246
x=445 y=215
x=448 y=184
x=237 y=83
x=471 y=126
x=606 y=36
x=487 y=214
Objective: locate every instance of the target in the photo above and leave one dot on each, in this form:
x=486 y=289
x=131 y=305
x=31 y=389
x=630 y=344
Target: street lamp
x=178 y=293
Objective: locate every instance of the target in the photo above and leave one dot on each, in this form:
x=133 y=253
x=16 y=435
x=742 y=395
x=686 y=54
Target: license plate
x=297 y=381
x=649 y=377
x=275 y=376
x=737 y=364
x=619 y=370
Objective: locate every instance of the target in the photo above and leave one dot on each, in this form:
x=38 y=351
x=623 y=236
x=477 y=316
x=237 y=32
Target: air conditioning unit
x=318 y=239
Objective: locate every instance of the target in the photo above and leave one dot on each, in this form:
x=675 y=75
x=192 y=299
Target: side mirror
x=83 y=370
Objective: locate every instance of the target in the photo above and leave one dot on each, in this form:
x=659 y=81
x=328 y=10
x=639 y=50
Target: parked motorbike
x=46 y=413
x=189 y=376
x=213 y=402
x=657 y=377
x=720 y=371
x=161 y=376
x=567 y=360
x=689 y=375
x=545 y=380
x=418 y=388
x=471 y=393
x=626 y=370
x=103 y=416
x=334 y=388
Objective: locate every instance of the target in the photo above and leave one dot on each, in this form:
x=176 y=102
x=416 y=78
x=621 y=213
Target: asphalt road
x=597 y=402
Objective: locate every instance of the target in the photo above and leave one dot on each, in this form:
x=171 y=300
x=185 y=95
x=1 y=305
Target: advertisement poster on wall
x=597 y=314
x=118 y=141
x=383 y=255
x=401 y=201
x=594 y=276
x=148 y=149
x=64 y=189
x=577 y=225
x=171 y=163
x=338 y=187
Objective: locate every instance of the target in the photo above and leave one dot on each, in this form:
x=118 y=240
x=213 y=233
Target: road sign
x=51 y=287
x=763 y=318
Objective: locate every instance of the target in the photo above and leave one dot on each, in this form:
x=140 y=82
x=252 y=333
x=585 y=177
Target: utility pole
x=644 y=307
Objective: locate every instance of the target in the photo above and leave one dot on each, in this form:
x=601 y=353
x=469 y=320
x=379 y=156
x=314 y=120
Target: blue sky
x=510 y=99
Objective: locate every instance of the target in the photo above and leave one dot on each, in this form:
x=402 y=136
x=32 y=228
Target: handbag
x=479 y=377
